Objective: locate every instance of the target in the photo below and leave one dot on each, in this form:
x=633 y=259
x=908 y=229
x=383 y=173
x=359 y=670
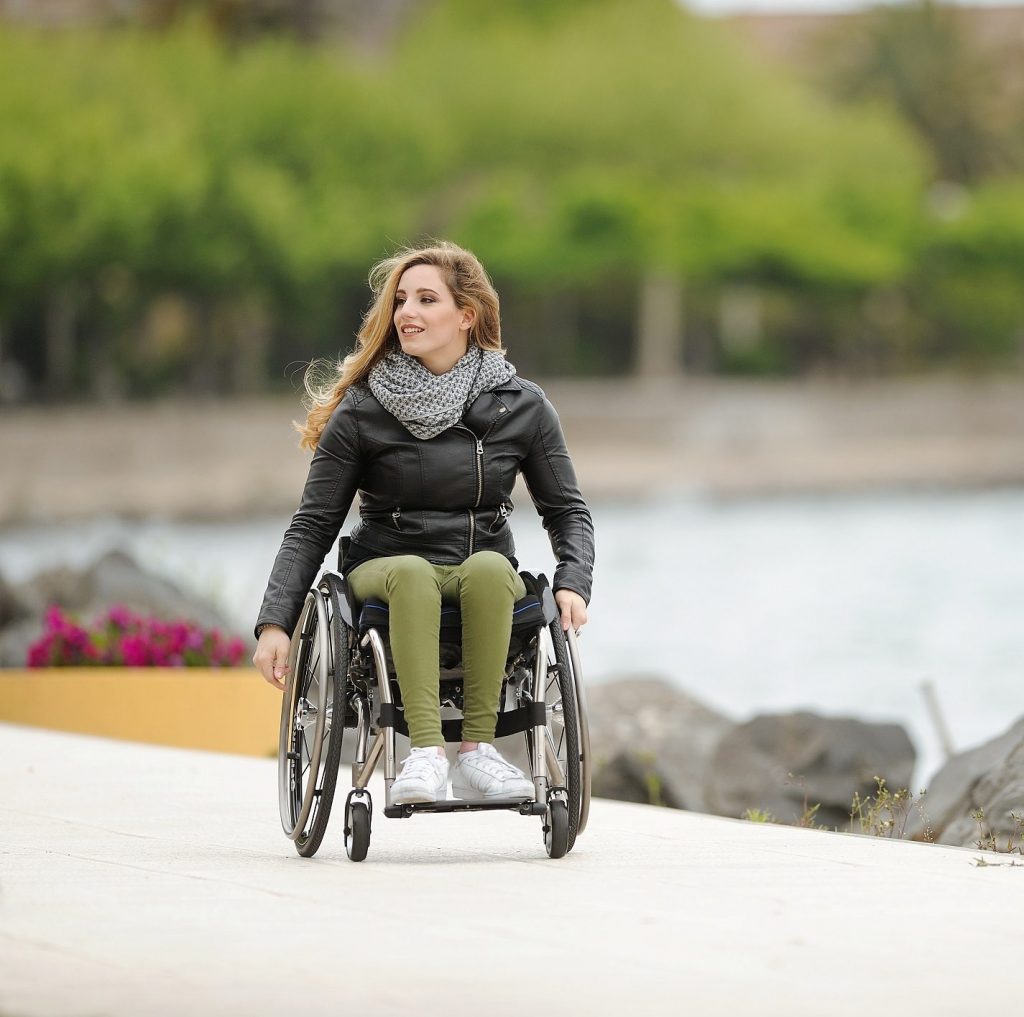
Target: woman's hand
x=573 y=609
x=271 y=656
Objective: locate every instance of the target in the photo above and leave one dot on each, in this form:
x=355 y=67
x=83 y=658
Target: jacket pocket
x=499 y=519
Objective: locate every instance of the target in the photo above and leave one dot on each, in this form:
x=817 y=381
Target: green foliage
x=927 y=61
x=575 y=144
x=987 y=840
x=885 y=813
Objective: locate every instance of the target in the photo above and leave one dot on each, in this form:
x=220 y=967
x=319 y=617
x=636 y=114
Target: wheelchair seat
x=527 y=615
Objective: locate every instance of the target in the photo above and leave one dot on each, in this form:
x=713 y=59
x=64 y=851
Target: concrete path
x=140 y=881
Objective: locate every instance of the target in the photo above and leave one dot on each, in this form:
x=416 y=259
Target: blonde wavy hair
x=326 y=383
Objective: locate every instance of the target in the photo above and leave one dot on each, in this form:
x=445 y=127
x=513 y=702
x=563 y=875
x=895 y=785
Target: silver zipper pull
x=396 y=516
x=503 y=510
x=479 y=447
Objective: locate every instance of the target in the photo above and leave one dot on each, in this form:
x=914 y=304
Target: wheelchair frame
x=340 y=679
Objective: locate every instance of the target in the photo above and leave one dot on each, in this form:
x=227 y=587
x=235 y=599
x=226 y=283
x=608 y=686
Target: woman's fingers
x=271 y=656
x=566 y=616
x=579 y=614
x=572 y=608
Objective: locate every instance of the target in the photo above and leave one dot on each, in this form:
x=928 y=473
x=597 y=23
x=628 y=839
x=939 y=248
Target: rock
x=651 y=742
x=999 y=796
x=989 y=777
x=632 y=777
x=786 y=763
x=113 y=579
x=116 y=579
x=12 y=608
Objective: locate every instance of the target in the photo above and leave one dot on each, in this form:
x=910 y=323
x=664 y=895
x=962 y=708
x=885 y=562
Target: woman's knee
x=410 y=572
x=492 y=569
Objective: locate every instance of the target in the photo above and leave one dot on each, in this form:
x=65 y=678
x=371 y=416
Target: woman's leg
x=486 y=585
x=410 y=586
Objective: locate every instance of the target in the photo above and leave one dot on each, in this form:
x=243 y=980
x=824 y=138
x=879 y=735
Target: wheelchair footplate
x=524 y=806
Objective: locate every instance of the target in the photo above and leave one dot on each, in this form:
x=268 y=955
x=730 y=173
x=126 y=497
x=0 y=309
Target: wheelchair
x=341 y=689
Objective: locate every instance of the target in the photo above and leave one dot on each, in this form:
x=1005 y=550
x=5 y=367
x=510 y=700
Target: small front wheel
x=556 y=828
x=357 y=830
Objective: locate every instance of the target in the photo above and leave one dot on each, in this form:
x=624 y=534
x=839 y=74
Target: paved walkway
x=140 y=881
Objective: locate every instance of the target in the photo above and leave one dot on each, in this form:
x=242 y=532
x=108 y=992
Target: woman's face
x=429 y=324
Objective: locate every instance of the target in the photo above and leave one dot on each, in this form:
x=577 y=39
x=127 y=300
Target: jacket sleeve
x=331 y=485
x=551 y=480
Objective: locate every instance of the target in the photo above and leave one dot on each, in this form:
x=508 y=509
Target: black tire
x=556 y=829
x=357 y=830
x=318 y=673
x=563 y=726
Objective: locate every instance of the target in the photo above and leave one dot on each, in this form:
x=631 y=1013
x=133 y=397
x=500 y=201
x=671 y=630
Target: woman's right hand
x=271 y=656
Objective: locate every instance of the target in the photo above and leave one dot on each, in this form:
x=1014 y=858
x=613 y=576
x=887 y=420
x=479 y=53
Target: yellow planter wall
x=220 y=709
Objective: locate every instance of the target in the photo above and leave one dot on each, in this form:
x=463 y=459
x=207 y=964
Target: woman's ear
x=468 y=318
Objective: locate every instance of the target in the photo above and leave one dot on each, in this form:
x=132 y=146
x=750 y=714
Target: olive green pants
x=485 y=586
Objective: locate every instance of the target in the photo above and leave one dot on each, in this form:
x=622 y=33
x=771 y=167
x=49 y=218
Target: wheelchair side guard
x=537 y=584
x=547 y=601
x=344 y=606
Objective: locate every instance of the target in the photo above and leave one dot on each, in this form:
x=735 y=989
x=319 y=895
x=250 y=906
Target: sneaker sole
x=464 y=793
x=420 y=798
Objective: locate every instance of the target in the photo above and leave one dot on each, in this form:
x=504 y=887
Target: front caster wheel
x=357 y=830
x=556 y=828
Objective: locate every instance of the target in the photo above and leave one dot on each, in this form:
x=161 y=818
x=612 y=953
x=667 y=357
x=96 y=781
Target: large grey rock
x=12 y=608
x=785 y=763
x=989 y=777
x=651 y=742
x=114 y=579
x=999 y=797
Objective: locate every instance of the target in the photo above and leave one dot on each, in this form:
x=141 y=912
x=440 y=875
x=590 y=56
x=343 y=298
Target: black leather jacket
x=443 y=498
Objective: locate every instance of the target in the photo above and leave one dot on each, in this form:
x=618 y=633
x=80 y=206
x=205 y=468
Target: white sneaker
x=482 y=773
x=424 y=778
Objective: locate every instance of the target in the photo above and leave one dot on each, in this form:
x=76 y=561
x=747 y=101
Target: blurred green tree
x=178 y=211
x=960 y=95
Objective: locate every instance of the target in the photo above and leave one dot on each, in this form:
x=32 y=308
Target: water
x=843 y=605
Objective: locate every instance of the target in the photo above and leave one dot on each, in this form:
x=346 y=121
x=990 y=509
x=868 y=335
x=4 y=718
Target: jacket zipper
x=396 y=517
x=479 y=471
x=479 y=490
x=479 y=458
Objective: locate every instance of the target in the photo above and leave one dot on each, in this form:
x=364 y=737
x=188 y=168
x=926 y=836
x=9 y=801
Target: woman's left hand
x=573 y=609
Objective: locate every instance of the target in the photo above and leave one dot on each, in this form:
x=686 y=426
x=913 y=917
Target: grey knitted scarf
x=428 y=404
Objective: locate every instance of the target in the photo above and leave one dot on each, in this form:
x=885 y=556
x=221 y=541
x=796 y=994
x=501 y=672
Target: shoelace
x=493 y=764
x=419 y=764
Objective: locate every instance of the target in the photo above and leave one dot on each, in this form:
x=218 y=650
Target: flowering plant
x=122 y=638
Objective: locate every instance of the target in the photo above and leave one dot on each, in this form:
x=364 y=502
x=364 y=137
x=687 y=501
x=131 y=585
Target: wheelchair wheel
x=581 y=713
x=556 y=829
x=357 y=829
x=310 y=740
x=563 y=731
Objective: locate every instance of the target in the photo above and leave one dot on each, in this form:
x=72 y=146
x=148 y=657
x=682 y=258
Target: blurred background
x=766 y=258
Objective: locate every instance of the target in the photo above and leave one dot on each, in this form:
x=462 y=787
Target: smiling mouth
x=411 y=330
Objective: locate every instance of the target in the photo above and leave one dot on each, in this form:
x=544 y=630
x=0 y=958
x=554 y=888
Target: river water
x=844 y=605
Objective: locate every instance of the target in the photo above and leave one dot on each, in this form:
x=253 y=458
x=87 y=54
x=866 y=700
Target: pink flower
x=40 y=651
x=53 y=618
x=121 y=637
x=235 y=651
x=121 y=617
x=134 y=652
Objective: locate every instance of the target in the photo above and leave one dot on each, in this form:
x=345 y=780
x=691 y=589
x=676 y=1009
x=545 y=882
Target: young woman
x=428 y=421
